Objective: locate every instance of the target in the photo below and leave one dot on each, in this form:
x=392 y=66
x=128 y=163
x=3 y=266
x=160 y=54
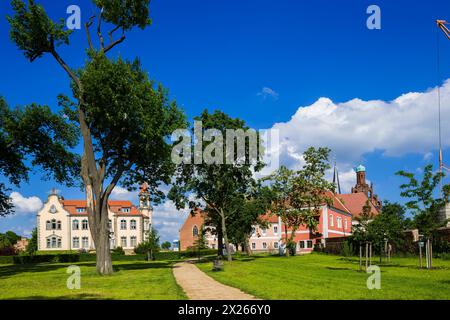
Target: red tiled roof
x=271 y=218
x=114 y=205
x=355 y=203
x=337 y=203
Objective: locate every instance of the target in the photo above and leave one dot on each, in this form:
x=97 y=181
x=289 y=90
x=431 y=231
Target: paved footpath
x=199 y=286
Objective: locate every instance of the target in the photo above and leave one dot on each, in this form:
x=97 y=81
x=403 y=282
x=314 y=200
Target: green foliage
x=166 y=245
x=118 y=251
x=35 y=135
x=150 y=245
x=424 y=204
x=6 y=259
x=33 y=31
x=53 y=258
x=299 y=195
x=125 y=13
x=32 y=246
x=8 y=239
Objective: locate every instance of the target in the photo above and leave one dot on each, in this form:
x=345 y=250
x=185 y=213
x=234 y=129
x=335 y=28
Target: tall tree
x=35 y=135
x=216 y=181
x=124 y=118
x=32 y=246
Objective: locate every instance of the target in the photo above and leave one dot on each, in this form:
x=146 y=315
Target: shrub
x=8 y=251
x=118 y=251
x=347 y=249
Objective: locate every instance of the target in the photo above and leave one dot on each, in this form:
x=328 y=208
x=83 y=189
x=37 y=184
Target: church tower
x=364 y=187
x=144 y=206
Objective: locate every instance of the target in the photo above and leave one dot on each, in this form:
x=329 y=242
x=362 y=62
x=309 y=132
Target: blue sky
x=266 y=61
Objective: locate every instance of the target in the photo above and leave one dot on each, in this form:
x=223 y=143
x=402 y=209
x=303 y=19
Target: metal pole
x=367 y=254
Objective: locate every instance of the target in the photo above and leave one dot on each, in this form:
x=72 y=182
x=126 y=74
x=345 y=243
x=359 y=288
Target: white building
x=63 y=224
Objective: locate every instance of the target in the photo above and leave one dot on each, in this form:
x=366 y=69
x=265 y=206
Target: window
x=85 y=241
x=109 y=224
x=76 y=242
x=345 y=224
x=275 y=245
x=75 y=225
x=331 y=221
x=48 y=225
x=133 y=224
x=81 y=210
x=84 y=224
x=309 y=244
x=264 y=245
x=195 y=231
x=126 y=210
x=263 y=231
x=49 y=243
x=253 y=245
x=53 y=224
x=58 y=225
x=133 y=241
x=275 y=229
x=253 y=231
x=123 y=241
x=302 y=244
x=339 y=222
x=123 y=224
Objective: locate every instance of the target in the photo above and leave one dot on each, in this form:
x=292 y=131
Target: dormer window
x=126 y=210
x=81 y=210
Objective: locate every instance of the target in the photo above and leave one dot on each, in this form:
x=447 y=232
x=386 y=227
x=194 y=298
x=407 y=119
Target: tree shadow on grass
x=11 y=270
x=81 y=296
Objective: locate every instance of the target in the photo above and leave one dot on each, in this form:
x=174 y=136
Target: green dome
x=360 y=168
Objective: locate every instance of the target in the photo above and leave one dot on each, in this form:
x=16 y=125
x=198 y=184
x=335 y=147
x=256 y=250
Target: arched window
x=331 y=221
x=133 y=224
x=195 y=231
x=84 y=224
x=53 y=224
x=85 y=242
x=123 y=224
x=48 y=226
x=58 y=225
x=75 y=225
x=133 y=241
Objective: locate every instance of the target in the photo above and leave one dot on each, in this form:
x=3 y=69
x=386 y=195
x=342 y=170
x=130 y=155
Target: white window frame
x=123 y=242
x=339 y=222
x=76 y=223
x=133 y=241
x=84 y=224
x=133 y=224
x=85 y=242
x=76 y=244
x=331 y=219
x=123 y=224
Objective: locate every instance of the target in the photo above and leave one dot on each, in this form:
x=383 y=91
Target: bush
x=118 y=251
x=192 y=252
x=167 y=255
x=8 y=251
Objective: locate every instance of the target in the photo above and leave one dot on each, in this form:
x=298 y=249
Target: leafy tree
x=32 y=246
x=424 y=202
x=298 y=196
x=123 y=117
x=166 y=245
x=200 y=243
x=218 y=184
x=250 y=207
x=33 y=134
x=150 y=245
x=388 y=226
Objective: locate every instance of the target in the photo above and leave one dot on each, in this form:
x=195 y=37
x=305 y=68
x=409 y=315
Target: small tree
x=32 y=246
x=150 y=245
x=166 y=245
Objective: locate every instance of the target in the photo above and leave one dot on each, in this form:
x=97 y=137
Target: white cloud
x=168 y=220
x=407 y=124
x=24 y=205
x=268 y=92
x=120 y=193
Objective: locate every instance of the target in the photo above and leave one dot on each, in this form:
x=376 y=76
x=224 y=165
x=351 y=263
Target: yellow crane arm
x=442 y=25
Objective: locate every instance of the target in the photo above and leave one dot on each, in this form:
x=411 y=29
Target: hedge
x=6 y=259
x=42 y=258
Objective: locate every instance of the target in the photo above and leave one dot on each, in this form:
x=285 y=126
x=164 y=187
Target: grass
x=135 y=280
x=318 y=276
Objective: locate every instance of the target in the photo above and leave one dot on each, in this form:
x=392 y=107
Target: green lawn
x=318 y=276
x=132 y=280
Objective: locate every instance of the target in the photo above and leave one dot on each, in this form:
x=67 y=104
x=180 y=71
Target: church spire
x=336 y=179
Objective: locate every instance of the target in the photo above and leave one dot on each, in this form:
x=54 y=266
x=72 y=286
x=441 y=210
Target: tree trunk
x=225 y=236
x=219 y=242
x=102 y=245
x=247 y=248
